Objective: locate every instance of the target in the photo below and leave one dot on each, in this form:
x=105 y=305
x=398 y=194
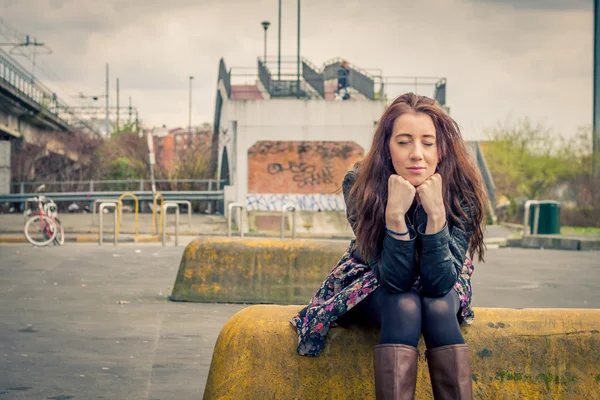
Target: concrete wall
x=246 y=123
x=9 y=124
x=4 y=166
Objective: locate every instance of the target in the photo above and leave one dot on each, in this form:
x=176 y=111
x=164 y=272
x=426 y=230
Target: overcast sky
x=503 y=59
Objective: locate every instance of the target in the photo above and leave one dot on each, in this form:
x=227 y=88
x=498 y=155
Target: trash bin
x=548 y=219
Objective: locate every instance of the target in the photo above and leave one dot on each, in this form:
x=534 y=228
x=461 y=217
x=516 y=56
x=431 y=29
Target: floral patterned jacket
x=437 y=258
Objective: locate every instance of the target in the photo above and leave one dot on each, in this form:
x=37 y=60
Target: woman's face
x=413 y=147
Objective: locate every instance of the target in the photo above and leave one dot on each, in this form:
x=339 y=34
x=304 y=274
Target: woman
x=416 y=204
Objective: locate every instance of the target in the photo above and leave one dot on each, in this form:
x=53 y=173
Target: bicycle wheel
x=40 y=232
x=60 y=233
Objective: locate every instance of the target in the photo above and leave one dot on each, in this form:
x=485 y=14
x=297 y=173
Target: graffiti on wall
x=305 y=167
x=302 y=202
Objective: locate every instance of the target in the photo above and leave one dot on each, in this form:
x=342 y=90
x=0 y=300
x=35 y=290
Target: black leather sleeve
x=442 y=258
x=394 y=262
x=394 y=266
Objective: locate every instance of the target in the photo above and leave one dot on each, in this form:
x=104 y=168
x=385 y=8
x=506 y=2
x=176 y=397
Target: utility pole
x=28 y=43
x=279 y=45
x=190 y=115
x=298 y=77
x=596 y=117
x=117 y=104
x=129 y=120
x=107 y=98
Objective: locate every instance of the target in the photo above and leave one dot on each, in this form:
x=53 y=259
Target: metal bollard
x=165 y=207
x=96 y=201
x=288 y=207
x=101 y=221
x=230 y=208
x=189 y=209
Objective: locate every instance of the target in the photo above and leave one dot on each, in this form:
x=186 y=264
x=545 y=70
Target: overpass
x=31 y=112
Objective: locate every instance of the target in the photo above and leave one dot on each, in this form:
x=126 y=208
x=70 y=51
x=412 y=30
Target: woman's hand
x=400 y=197
x=430 y=196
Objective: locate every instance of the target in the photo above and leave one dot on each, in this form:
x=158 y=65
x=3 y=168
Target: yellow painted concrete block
x=516 y=354
x=254 y=270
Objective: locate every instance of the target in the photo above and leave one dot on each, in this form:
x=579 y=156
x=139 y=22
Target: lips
x=416 y=168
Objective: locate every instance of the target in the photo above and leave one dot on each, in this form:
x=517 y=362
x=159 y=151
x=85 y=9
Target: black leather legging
x=404 y=316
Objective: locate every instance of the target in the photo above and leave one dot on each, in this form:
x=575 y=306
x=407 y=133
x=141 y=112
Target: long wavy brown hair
x=461 y=180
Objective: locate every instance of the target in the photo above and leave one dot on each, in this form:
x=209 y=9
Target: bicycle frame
x=46 y=207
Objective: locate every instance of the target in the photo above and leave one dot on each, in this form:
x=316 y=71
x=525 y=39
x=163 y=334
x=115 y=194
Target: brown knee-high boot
x=395 y=368
x=450 y=372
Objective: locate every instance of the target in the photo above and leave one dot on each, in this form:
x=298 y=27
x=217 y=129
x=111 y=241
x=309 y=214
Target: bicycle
x=44 y=227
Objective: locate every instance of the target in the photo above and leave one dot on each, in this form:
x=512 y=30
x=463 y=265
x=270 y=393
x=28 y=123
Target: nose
x=416 y=153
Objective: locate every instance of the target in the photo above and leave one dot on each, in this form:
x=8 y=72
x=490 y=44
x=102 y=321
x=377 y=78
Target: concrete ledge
x=556 y=242
x=254 y=270
x=516 y=354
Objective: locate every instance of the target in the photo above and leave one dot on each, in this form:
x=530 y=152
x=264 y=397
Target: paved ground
x=90 y=322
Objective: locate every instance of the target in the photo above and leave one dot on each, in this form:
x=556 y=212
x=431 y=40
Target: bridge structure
x=31 y=112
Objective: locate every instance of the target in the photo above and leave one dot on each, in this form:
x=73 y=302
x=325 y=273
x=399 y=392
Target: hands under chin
x=429 y=194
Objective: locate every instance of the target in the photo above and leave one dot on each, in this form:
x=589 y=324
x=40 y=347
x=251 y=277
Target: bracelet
x=396 y=233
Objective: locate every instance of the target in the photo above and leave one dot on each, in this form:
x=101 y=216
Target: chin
x=416 y=181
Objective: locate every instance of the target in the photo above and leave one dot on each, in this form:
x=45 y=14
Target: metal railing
x=99 y=186
x=393 y=86
x=264 y=75
x=142 y=196
x=165 y=207
x=358 y=78
x=225 y=77
x=21 y=84
x=486 y=175
x=313 y=77
x=247 y=83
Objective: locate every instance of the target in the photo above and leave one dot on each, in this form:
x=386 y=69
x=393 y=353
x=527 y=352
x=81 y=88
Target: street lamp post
x=596 y=97
x=265 y=25
x=190 y=113
x=279 y=45
x=298 y=78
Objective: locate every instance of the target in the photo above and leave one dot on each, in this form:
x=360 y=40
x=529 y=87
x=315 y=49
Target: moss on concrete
x=516 y=354
x=254 y=271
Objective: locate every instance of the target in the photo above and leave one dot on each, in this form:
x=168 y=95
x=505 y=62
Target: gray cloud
x=543 y=4
x=500 y=58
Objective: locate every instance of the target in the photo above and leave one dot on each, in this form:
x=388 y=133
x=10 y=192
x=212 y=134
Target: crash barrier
x=230 y=208
x=120 y=212
x=255 y=270
x=98 y=201
x=515 y=354
x=113 y=205
x=165 y=207
x=291 y=207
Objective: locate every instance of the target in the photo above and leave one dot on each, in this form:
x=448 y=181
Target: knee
x=436 y=307
x=406 y=303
